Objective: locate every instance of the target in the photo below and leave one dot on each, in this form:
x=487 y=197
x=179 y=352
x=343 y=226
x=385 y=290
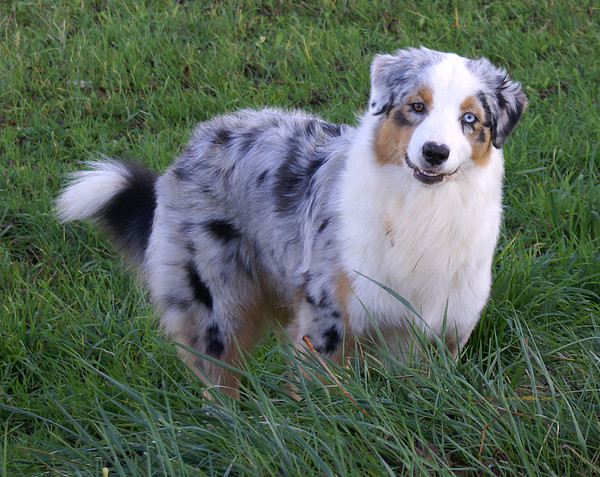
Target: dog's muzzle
x=427 y=176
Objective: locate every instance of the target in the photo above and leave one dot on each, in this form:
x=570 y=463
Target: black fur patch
x=129 y=214
x=195 y=341
x=311 y=127
x=294 y=177
x=214 y=341
x=323 y=225
x=500 y=97
x=332 y=339
x=332 y=129
x=400 y=118
x=222 y=137
x=311 y=300
x=201 y=292
x=190 y=247
x=248 y=139
x=487 y=121
x=222 y=230
x=182 y=173
x=481 y=136
x=260 y=179
x=172 y=301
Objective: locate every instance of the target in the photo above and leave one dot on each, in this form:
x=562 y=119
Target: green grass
x=88 y=382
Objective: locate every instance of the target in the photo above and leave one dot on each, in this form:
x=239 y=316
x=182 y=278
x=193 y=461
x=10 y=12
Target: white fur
x=90 y=190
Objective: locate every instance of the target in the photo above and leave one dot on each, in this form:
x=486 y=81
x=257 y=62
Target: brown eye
x=418 y=107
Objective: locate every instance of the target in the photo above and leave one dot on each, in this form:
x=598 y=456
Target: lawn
x=88 y=383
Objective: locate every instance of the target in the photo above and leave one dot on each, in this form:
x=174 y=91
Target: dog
x=274 y=214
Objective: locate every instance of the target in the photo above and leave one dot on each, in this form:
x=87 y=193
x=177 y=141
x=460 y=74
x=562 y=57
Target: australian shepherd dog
x=268 y=213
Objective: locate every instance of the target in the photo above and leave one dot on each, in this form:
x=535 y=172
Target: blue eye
x=469 y=118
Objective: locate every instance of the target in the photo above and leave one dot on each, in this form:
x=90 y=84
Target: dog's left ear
x=504 y=96
x=511 y=102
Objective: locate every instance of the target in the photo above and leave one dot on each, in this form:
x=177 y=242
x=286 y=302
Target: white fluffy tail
x=89 y=191
x=120 y=196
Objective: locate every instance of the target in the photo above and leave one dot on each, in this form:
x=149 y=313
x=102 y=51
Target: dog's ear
x=385 y=74
x=504 y=96
x=391 y=73
x=510 y=102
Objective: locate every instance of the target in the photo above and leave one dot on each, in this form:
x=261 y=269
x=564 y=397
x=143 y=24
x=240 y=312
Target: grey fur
x=254 y=210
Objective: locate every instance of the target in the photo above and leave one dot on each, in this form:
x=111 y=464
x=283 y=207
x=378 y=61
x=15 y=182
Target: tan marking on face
x=478 y=136
x=391 y=141
x=426 y=95
x=396 y=129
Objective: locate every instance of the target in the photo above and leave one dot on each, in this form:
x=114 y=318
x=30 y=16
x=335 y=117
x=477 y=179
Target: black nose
x=434 y=153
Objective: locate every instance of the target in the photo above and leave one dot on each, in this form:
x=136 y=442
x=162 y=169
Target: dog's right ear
x=389 y=73
x=383 y=68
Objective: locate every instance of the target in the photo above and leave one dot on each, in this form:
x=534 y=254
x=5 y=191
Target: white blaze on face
x=454 y=90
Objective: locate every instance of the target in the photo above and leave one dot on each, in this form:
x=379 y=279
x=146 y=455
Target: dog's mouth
x=425 y=176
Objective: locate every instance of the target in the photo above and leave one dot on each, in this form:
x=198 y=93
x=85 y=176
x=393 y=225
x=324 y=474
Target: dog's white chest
x=431 y=245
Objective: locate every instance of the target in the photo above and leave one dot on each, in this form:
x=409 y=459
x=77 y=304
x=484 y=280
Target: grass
x=87 y=381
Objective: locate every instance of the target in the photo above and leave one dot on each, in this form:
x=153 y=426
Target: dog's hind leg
x=208 y=300
x=211 y=335
x=221 y=326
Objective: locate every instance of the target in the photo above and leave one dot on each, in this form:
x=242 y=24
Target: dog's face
x=440 y=114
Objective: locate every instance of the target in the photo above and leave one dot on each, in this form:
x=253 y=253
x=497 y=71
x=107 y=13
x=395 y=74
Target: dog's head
x=438 y=113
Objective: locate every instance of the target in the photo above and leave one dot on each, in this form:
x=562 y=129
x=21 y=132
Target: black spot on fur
x=314 y=165
x=481 y=136
x=331 y=129
x=248 y=140
x=294 y=177
x=400 y=118
x=214 y=341
x=500 y=98
x=191 y=249
x=182 y=173
x=260 y=179
x=311 y=127
x=195 y=341
x=222 y=137
x=324 y=300
x=487 y=121
x=513 y=117
x=321 y=303
x=178 y=303
x=323 y=225
x=199 y=288
x=332 y=339
x=187 y=228
x=129 y=214
x=222 y=230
